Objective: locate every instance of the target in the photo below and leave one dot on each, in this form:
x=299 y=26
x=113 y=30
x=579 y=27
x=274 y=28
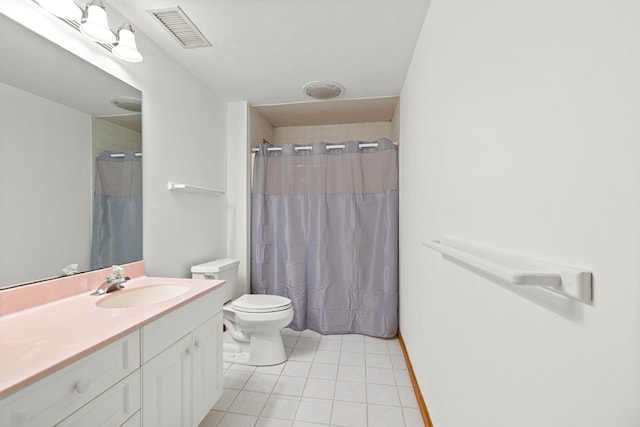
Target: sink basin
x=141 y=296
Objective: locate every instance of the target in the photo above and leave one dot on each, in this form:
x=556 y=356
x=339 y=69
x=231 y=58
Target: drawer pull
x=188 y=352
x=196 y=344
x=82 y=385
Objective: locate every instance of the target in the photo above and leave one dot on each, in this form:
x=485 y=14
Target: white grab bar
x=517 y=269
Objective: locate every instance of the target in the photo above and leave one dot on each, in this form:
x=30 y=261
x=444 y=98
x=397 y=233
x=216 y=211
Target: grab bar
x=568 y=281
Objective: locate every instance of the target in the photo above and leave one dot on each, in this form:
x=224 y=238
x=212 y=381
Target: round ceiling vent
x=324 y=89
x=127 y=103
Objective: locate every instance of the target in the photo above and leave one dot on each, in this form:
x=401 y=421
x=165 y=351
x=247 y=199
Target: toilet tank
x=219 y=269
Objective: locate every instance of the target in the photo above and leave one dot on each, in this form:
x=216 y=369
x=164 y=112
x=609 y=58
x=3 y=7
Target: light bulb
x=125 y=48
x=95 y=24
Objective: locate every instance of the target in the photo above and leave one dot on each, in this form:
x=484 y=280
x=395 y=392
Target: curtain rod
x=328 y=147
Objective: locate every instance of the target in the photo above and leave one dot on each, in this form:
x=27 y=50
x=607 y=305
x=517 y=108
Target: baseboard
x=421 y=405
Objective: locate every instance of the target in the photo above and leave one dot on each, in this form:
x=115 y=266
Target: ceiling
x=264 y=51
x=330 y=112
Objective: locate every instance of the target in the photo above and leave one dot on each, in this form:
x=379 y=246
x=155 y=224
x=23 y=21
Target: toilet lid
x=260 y=303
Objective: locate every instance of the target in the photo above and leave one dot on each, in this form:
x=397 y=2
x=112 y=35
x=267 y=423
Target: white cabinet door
x=207 y=367
x=166 y=387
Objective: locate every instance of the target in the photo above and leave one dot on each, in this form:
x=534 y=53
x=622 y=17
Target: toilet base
x=263 y=349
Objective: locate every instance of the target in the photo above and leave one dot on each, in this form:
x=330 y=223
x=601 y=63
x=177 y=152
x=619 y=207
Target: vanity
x=147 y=355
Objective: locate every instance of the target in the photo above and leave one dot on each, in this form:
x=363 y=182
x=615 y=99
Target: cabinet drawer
x=53 y=398
x=112 y=408
x=168 y=329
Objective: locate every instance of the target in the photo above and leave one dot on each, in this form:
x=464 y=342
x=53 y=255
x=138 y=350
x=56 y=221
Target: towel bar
x=517 y=269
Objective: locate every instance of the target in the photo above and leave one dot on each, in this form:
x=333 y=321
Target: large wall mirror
x=56 y=118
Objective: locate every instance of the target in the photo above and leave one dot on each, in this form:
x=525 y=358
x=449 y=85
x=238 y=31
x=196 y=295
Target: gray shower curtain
x=324 y=229
x=117 y=210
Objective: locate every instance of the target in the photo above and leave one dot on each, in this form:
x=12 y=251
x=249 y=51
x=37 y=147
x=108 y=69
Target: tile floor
x=328 y=380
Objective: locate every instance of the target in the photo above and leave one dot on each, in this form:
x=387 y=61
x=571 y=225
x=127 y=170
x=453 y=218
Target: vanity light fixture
x=92 y=21
x=65 y=9
x=125 y=47
x=95 y=24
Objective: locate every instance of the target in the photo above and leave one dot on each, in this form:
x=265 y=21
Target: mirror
x=56 y=116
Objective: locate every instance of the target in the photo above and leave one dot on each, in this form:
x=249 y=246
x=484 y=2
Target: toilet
x=253 y=321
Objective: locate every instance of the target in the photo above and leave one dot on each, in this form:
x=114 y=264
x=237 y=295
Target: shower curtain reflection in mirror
x=324 y=229
x=117 y=210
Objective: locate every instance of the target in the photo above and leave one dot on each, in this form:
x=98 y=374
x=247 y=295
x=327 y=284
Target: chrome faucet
x=113 y=282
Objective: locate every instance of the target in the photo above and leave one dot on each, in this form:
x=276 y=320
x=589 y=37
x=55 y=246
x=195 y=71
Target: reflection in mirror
x=56 y=118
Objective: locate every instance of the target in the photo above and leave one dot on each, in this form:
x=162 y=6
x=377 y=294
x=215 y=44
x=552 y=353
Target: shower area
x=324 y=212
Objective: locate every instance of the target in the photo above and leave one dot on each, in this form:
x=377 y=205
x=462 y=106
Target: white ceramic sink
x=141 y=296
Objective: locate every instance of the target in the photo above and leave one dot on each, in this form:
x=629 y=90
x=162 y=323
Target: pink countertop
x=48 y=325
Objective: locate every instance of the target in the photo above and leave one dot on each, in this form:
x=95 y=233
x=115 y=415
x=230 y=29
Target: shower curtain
x=117 y=210
x=324 y=230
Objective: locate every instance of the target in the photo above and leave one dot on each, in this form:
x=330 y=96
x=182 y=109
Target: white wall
x=39 y=141
x=237 y=194
x=369 y=131
x=520 y=130
x=107 y=136
x=184 y=140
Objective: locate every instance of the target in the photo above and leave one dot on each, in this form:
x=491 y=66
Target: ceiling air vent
x=181 y=27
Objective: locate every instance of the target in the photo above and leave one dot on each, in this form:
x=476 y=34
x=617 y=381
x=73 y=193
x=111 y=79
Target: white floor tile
x=352 y=373
x=352 y=358
x=402 y=377
x=327 y=356
x=378 y=361
x=289 y=341
x=384 y=416
x=237 y=420
x=353 y=338
x=273 y=369
x=353 y=346
x=295 y=368
x=249 y=402
x=306 y=424
x=242 y=368
x=289 y=333
x=330 y=345
x=350 y=391
x=308 y=333
x=292 y=386
x=398 y=362
x=349 y=414
x=212 y=419
x=314 y=410
x=261 y=382
x=333 y=380
x=321 y=389
x=228 y=396
x=302 y=354
x=334 y=337
x=273 y=422
x=412 y=417
x=235 y=379
x=380 y=376
x=379 y=394
x=325 y=371
x=284 y=407
x=379 y=347
x=394 y=347
x=407 y=397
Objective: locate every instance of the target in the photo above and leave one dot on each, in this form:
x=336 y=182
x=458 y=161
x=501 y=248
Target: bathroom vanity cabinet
x=182 y=365
x=166 y=373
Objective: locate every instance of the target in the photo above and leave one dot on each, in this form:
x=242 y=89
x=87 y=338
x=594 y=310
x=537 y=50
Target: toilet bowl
x=253 y=321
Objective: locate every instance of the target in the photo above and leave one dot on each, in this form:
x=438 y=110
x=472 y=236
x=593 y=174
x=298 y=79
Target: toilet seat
x=261 y=303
